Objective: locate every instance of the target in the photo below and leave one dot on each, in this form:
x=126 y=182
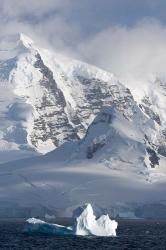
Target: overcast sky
x=126 y=37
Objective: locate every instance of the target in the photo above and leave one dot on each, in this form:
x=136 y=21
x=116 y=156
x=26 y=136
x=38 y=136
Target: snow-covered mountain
x=103 y=135
x=47 y=99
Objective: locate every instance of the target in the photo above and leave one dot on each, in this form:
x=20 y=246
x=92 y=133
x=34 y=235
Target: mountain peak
x=27 y=41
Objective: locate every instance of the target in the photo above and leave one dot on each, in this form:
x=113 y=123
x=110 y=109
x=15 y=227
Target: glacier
x=86 y=224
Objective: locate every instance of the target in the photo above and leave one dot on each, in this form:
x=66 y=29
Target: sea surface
x=131 y=234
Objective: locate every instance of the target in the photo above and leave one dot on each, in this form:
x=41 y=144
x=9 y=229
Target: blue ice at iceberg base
x=86 y=224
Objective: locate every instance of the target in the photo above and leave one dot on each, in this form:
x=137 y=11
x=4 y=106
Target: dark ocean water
x=148 y=235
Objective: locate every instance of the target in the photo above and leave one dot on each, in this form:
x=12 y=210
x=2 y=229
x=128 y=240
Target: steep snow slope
x=120 y=144
x=151 y=98
x=15 y=114
x=115 y=141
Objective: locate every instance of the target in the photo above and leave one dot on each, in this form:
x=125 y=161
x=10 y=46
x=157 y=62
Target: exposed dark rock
x=154 y=159
x=54 y=124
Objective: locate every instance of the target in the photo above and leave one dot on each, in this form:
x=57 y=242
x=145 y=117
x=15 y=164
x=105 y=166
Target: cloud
x=127 y=37
x=32 y=8
x=45 y=21
x=132 y=53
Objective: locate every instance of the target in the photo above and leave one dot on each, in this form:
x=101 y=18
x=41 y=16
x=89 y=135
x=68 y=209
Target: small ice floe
x=86 y=224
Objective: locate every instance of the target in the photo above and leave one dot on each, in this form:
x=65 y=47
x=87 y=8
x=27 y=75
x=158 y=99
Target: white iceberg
x=86 y=224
